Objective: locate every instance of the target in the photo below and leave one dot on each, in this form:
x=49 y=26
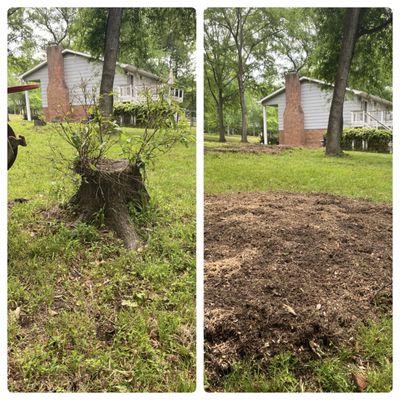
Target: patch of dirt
x=105 y=331
x=247 y=148
x=289 y=272
x=12 y=203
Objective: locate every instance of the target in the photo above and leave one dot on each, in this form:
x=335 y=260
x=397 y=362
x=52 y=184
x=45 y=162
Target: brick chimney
x=57 y=90
x=293 y=116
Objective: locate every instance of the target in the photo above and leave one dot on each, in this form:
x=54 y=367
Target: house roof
x=322 y=83
x=125 y=67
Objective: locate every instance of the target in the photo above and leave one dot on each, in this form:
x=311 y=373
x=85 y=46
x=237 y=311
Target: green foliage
x=295 y=41
x=277 y=376
x=92 y=139
x=163 y=121
x=377 y=139
x=331 y=375
x=164 y=125
x=371 y=68
x=376 y=339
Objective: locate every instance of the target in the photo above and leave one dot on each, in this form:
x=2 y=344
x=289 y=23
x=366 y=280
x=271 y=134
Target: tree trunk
x=240 y=78
x=335 y=123
x=110 y=60
x=110 y=189
x=220 y=111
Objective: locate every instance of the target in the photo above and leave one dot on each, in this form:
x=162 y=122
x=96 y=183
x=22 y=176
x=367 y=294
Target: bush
x=378 y=140
x=142 y=113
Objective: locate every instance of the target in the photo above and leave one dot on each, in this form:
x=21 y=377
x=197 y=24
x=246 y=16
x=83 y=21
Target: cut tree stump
x=110 y=187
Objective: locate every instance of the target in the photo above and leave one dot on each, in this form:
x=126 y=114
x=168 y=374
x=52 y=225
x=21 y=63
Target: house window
x=364 y=105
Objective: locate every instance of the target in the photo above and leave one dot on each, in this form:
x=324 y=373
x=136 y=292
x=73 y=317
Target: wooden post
x=28 y=106
x=265 y=134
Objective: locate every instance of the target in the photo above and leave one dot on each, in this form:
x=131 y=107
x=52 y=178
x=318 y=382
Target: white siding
x=84 y=76
x=280 y=101
x=41 y=76
x=316 y=102
x=79 y=71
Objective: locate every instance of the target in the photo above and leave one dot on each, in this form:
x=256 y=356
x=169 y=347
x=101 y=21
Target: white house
x=303 y=110
x=69 y=78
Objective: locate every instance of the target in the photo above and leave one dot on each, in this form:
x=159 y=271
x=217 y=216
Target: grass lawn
x=84 y=313
x=358 y=175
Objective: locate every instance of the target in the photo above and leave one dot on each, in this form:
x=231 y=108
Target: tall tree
x=110 y=60
x=295 y=42
x=52 y=24
x=335 y=123
x=218 y=67
x=368 y=64
x=251 y=30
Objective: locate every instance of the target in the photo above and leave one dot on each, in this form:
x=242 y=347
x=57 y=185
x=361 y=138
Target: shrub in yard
x=377 y=139
x=108 y=188
x=142 y=112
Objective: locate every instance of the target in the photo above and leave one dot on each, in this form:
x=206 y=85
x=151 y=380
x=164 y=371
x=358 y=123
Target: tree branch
x=377 y=28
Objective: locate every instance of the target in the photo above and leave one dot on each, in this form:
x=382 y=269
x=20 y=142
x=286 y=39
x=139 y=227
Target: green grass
x=357 y=174
x=84 y=313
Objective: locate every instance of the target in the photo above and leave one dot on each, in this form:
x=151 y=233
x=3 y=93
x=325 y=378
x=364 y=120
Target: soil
x=247 y=148
x=289 y=272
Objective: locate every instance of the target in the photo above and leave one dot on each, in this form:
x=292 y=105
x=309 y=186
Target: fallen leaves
x=129 y=303
x=360 y=381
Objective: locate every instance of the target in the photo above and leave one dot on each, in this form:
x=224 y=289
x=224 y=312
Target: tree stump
x=110 y=187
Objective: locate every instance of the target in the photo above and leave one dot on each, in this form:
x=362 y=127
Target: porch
x=372 y=119
x=135 y=94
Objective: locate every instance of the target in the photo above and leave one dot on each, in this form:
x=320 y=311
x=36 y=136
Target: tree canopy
x=273 y=41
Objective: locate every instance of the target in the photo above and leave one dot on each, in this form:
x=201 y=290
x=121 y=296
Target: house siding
x=78 y=69
x=316 y=102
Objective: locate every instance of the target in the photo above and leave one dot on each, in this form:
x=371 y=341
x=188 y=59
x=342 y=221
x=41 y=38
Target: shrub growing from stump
x=109 y=187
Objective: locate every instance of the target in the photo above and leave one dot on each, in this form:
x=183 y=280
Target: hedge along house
x=69 y=80
x=303 y=110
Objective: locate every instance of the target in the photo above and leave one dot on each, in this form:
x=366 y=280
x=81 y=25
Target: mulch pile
x=247 y=148
x=291 y=272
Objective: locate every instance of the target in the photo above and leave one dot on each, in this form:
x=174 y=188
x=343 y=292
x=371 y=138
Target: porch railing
x=372 y=119
x=135 y=94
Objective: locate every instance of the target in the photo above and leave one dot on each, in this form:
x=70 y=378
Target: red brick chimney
x=293 y=116
x=57 y=91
